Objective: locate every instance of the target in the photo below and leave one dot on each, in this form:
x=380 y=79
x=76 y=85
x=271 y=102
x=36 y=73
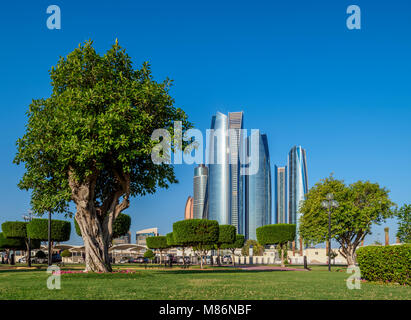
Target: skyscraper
x=219 y=182
x=280 y=186
x=188 y=211
x=258 y=189
x=235 y=124
x=200 y=192
x=297 y=183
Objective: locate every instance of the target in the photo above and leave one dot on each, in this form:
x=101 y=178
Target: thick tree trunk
x=96 y=241
x=28 y=254
x=348 y=252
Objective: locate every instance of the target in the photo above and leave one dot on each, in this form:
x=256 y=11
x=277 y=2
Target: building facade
x=258 y=189
x=142 y=235
x=297 y=184
x=123 y=239
x=219 y=182
x=280 y=194
x=188 y=211
x=200 y=192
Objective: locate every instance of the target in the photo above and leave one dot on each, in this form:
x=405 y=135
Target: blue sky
x=293 y=67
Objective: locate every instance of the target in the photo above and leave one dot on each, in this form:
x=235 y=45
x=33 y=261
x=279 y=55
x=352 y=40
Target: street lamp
x=328 y=204
x=28 y=218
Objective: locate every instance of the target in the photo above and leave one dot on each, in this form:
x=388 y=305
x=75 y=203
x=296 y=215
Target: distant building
x=200 y=192
x=188 y=211
x=258 y=189
x=126 y=239
x=143 y=234
x=297 y=184
x=280 y=194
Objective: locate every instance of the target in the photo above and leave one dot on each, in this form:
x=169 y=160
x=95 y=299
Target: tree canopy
x=361 y=205
x=157 y=242
x=120 y=227
x=226 y=234
x=276 y=233
x=11 y=243
x=404 y=223
x=60 y=230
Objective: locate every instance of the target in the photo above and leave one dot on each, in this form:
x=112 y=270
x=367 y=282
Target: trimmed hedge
x=158 y=242
x=227 y=234
x=14 y=229
x=9 y=243
x=385 y=263
x=38 y=229
x=276 y=233
x=194 y=232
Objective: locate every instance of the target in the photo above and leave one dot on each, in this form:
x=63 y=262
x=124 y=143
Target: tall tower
x=235 y=124
x=200 y=192
x=297 y=184
x=188 y=211
x=258 y=189
x=219 y=182
x=280 y=185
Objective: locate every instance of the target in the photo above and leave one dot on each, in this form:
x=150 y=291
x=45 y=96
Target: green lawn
x=223 y=283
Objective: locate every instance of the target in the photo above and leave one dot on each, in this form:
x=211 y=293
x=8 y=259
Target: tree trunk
x=348 y=252
x=201 y=262
x=282 y=256
x=218 y=257
x=232 y=257
x=28 y=254
x=95 y=244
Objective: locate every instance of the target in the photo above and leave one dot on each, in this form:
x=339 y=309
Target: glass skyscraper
x=258 y=189
x=297 y=183
x=200 y=192
x=280 y=187
x=219 y=181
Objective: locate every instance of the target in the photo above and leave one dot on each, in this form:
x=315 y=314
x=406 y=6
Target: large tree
x=90 y=142
x=404 y=223
x=361 y=205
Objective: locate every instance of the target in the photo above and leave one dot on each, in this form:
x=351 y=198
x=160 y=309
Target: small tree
x=361 y=205
x=258 y=249
x=226 y=235
x=404 y=223
x=14 y=244
x=198 y=233
x=237 y=244
x=174 y=244
x=18 y=230
x=276 y=234
x=158 y=243
x=149 y=254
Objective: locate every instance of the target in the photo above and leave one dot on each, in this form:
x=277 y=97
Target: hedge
x=9 y=243
x=227 y=234
x=194 y=232
x=158 y=242
x=385 y=263
x=276 y=233
x=38 y=229
x=14 y=229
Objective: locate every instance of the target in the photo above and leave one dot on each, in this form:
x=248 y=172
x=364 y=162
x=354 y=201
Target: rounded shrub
x=385 y=263
x=157 y=242
x=276 y=233
x=193 y=232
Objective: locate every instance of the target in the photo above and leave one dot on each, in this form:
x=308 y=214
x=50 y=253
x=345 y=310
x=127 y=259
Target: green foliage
x=196 y=232
x=258 y=249
x=404 y=223
x=170 y=240
x=121 y=225
x=40 y=254
x=96 y=126
x=15 y=229
x=38 y=229
x=149 y=254
x=66 y=253
x=361 y=204
x=276 y=233
x=226 y=234
x=237 y=244
x=11 y=243
x=385 y=263
x=157 y=242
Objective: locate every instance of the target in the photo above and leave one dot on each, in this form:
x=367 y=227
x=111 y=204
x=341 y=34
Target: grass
x=211 y=283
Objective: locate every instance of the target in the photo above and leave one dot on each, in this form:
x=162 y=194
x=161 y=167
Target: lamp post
x=28 y=218
x=329 y=204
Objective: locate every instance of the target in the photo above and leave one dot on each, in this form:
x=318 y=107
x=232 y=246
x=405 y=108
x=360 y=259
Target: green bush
x=149 y=254
x=11 y=243
x=66 y=253
x=38 y=229
x=158 y=242
x=14 y=229
x=194 y=232
x=276 y=233
x=226 y=234
x=385 y=263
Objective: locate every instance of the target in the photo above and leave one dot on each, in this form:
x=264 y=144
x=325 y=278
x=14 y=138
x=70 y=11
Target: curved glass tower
x=219 y=182
x=200 y=192
x=297 y=184
x=258 y=189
